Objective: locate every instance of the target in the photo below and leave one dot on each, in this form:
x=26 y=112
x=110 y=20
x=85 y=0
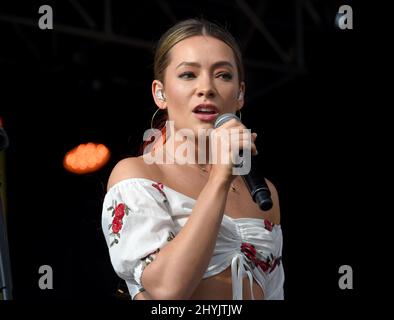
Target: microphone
x=254 y=180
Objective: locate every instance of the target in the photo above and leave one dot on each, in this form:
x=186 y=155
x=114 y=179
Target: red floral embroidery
x=268 y=264
x=116 y=225
x=120 y=210
x=264 y=265
x=118 y=213
x=249 y=250
x=276 y=262
x=268 y=225
x=159 y=186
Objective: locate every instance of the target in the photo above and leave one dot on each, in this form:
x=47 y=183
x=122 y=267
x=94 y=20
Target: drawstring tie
x=239 y=268
x=244 y=262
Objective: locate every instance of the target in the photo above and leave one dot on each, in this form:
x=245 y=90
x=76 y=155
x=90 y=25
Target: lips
x=206 y=108
x=206 y=112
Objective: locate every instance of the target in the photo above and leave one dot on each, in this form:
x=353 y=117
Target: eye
x=225 y=76
x=187 y=75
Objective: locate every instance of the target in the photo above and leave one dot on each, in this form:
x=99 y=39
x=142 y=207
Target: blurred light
x=86 y=158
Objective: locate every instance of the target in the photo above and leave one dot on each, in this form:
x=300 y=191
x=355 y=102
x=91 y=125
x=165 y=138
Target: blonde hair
x=189 y=28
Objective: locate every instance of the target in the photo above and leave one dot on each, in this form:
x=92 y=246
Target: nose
x=206 y=88
x=208 y=93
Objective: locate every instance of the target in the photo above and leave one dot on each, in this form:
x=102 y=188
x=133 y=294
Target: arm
x=143 y=296
x=180 y=265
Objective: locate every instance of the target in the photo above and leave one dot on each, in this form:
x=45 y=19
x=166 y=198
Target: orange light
x=86 y=158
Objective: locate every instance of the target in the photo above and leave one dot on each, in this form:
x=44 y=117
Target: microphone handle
x=257 y=186
x=259 y=191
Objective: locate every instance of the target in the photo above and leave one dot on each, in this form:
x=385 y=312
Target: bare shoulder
x=275 y=211
x=133 y=167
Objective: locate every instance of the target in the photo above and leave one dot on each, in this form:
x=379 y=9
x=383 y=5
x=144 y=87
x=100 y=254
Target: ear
x=156 y=87
x=241 y=95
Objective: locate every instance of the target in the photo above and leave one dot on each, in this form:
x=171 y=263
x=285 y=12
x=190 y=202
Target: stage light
x=86 y=158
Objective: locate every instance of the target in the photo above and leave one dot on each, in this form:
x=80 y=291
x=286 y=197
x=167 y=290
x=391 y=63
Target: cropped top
x=140 y=216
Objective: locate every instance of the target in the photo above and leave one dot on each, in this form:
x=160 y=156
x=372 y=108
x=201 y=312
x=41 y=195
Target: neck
x=181 y=148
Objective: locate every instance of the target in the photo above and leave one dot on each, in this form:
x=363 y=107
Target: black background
x=59 y=90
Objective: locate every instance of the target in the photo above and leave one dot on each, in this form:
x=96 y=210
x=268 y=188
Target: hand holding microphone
x=227 y=141
x=254 y=180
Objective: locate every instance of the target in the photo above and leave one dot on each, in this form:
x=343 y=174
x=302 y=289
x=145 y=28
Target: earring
x=160 y=96
x=240 y=115
x=240 y=95
x=151 y=121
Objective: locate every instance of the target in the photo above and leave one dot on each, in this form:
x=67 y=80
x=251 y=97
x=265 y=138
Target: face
x=200 y=83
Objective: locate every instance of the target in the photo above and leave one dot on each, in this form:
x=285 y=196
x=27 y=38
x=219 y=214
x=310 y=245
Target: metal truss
x=286 y=64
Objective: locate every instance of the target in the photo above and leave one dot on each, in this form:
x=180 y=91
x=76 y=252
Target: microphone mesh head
x=224 y=118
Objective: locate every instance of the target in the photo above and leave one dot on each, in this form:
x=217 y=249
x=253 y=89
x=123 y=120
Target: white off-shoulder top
x=140 y=216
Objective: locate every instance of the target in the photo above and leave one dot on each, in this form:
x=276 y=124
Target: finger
x=238 y=136
x=230 y=123
x=245 y=145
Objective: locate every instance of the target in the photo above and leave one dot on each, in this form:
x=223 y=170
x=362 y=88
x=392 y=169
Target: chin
x=202 y=127
x=206 y=125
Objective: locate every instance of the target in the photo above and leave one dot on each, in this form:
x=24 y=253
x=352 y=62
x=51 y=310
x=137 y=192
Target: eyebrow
x=198 y=65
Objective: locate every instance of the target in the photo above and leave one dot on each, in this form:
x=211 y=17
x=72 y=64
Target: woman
x=192 y=231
